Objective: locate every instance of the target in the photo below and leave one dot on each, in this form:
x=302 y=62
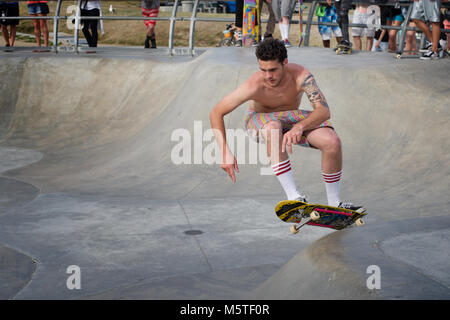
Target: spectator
x=382 y=38
x=395 y=19
x=342 y=8
x=382 y=35
x=150 y=8
x=90 y=8
x=283 y=10
x=9 y=9
x=39 y=8
x=270 y=28
x=360 y=16
x=445 y=24
x=428 y=11
x=238 y=22
x=327 y=13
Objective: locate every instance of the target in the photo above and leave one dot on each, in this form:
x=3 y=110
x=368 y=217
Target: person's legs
x=272 y=133
x=435 y=35
x=270 y=28
x=326 y=140
x=86 y=27
x=12 y=35
x=392 y=43
x=5 y=34
x=357 y=32
x=37 y=30
x=150 y=27
x=369 y=43
x=44 y=28
x=342 y=8
x=411 y=41
x=357 y=42
x=90 y=27
x=238 y=21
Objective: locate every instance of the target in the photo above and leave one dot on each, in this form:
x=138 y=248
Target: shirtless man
x=275 y=93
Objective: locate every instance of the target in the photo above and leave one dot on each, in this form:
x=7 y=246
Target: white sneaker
x=351 y=206
x=302 y=198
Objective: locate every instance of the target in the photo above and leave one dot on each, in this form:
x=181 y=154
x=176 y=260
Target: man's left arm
x=320 y=113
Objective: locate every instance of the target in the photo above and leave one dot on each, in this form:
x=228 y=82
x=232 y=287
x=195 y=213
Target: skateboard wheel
x=314 y=215
x=359 y=222
x=399 y=56
x=294 y=230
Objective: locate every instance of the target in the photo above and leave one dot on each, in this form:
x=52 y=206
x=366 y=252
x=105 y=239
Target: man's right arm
x=230 y=102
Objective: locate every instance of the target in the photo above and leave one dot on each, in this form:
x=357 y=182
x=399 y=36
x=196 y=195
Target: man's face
x=273 y=71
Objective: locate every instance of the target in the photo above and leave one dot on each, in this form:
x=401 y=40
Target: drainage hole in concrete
x=193 y=232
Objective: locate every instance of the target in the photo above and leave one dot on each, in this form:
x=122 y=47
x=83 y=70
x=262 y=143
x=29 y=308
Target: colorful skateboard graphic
x=301 y=213
x=251 y=25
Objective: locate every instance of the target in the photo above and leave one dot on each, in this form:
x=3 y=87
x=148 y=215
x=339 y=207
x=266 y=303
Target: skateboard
x=300 y=22
x=250 y=30
x=302 y=213
x=343 y=49
x=41 y=50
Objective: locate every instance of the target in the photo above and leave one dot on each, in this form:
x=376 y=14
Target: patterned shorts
x=255 y=121
x=151 y=13
x=330 y=16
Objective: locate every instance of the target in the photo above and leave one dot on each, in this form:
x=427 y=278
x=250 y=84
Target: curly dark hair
x=271 y=49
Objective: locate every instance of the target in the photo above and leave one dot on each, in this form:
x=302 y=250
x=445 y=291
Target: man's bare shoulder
x=299 y=73
x=255 y=83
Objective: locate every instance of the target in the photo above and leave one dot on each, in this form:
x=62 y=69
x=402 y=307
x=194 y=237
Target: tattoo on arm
x=313 y=92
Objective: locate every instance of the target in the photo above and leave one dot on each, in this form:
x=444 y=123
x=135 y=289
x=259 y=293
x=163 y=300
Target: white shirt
x=91 y=4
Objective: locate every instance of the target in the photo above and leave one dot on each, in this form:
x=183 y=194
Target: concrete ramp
x=94 y=138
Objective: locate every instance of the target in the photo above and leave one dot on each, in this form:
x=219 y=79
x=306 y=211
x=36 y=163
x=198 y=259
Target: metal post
x=312 y=10
x=55 y=26
x=172 y=25
x=77 y=24
x=403 y=37
x=192 y=28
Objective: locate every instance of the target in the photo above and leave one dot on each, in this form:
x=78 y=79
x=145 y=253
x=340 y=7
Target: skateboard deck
x=343 y=49
x=41 y=50
x=302 y=213
x=251 y=25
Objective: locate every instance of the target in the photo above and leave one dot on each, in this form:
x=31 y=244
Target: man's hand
x=229 y=165
x=291 y=137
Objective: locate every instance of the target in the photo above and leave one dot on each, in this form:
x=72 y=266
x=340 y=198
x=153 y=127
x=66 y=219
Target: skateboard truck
x=313 y=216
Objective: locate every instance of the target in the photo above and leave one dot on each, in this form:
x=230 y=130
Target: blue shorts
x=398 y=17
x=34 y=8
x=38 y=8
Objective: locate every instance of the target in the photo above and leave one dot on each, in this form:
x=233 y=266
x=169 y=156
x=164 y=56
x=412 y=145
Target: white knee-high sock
x=284 y=174
x=281 y=26
x=333 y=185
x=287 y=27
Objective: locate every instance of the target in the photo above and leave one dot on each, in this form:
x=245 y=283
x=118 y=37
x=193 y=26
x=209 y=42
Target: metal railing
x=194 y=18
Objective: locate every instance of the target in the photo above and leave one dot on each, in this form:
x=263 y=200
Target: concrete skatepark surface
x=88 y=179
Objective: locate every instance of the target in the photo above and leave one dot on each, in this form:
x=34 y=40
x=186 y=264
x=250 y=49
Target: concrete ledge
x=336 y=266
